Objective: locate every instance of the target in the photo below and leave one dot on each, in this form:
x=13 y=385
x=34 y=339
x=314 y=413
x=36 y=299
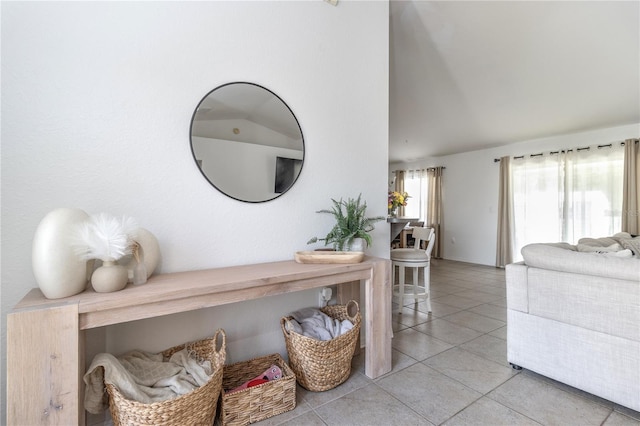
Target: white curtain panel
x=631 y=191
x=567 y=196
x=435 y=214
x=504 y=243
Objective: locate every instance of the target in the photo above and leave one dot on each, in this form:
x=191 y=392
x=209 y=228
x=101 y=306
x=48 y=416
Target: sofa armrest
x=517 y=287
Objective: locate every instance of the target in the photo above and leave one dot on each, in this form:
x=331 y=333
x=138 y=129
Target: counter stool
x=414 y=258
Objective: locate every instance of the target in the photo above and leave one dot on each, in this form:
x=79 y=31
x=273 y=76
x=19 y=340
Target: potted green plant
x=351 y=223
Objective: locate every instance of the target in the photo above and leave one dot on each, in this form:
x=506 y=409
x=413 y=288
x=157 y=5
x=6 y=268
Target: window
x=567 y=196
x=415 y=184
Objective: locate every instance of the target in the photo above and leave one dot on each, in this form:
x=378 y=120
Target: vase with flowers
x=106 y=238
x=395 y=200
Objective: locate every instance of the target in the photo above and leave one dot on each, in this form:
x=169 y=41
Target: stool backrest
x=424 y=234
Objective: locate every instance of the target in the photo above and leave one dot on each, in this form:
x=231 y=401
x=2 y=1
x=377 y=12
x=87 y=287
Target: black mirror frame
x=277 y=195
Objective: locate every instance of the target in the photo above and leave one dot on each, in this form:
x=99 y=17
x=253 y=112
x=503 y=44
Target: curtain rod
x=519 y=157
x=414 y=170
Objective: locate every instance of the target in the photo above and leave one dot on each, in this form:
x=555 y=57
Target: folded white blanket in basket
x=144 y=377
x=314 y=323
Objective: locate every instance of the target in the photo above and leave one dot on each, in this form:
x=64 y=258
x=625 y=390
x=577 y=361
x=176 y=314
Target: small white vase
x=109 y=277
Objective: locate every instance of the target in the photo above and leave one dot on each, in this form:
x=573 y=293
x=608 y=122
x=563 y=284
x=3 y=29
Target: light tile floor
x=450 y=367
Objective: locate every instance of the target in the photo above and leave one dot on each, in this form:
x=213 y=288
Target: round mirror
x=246 y=142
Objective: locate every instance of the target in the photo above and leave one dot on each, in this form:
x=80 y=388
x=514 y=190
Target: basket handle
x=223 y=345
x=349 y=303
x=287 y=327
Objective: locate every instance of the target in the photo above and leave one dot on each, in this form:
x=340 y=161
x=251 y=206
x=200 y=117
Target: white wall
x=97 y=99
x=470 y=189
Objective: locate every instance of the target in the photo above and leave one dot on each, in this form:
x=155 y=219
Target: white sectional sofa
x=574 y=315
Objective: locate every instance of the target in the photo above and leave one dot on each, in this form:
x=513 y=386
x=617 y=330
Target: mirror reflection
x=247 y=142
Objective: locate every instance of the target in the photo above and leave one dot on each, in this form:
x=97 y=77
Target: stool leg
x=427 y=284
x=401 y=286
x=415 y=284
x=393 y=279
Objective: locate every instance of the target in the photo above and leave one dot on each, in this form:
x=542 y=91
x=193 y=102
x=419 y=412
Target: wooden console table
x=45 y=338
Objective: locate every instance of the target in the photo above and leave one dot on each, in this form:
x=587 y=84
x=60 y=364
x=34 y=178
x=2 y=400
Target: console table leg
x=378 y=320
x=43 y=367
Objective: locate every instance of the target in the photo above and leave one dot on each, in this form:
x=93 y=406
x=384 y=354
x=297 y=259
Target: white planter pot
x=358 y=244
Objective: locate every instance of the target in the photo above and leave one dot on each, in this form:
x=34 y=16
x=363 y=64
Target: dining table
x=398 y=224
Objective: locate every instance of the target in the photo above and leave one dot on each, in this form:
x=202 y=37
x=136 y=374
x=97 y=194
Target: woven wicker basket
x=259 y=402
x=321 y=365
x=195 y=408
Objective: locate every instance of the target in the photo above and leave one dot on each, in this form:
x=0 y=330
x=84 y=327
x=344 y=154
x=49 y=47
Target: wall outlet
x=324 y=296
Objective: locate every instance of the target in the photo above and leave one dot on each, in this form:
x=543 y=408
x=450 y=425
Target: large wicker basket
x=195 y=408
x=321 y=365
x=259 y=402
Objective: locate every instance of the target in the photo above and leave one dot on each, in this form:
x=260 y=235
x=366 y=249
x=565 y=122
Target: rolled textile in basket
x=314 y=323
x=143 y=377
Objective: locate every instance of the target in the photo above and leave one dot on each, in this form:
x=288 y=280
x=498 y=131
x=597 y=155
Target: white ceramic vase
x=149 y=252
x=58 y=270
x=109 y=277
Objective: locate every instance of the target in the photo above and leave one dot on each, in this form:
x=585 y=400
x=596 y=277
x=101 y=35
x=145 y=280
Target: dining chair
x=414 y=258
x=406 y=236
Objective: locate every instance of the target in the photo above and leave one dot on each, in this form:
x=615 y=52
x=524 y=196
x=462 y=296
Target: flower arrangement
x=396 y=199
x=351 y=223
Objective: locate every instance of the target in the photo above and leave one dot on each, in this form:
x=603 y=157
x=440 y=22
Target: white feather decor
x=105 y=237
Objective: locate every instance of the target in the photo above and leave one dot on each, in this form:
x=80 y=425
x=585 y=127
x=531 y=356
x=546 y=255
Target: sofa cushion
x=409 y=255
x=563 y=245
x=556 y=258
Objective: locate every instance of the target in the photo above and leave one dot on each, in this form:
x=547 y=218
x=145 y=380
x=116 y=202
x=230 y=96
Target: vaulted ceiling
x=467 y=75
